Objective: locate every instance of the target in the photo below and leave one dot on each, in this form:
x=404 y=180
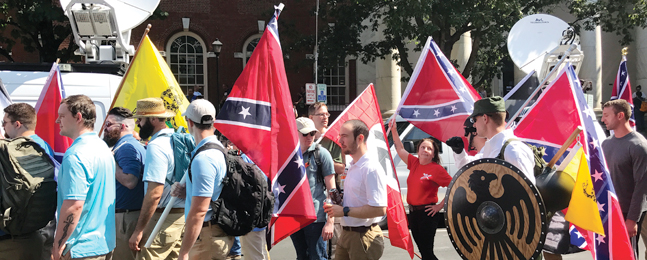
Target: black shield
x=494 y=212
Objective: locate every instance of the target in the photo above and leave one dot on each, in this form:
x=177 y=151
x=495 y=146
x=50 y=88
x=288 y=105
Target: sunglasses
x=473 y=119
x=313 y=133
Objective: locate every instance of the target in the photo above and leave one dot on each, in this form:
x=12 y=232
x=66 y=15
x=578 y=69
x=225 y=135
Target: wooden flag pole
x=565 y=146
x=121 y=84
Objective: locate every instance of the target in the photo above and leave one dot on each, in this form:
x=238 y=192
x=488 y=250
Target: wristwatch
x=346 y=210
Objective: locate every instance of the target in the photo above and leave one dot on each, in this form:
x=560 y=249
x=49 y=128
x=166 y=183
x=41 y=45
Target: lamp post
x=217 y=47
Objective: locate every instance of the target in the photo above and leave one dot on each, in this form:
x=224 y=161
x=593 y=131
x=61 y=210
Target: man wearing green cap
x=489 y=120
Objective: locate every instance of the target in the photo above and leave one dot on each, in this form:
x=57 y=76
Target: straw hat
x=152 y=107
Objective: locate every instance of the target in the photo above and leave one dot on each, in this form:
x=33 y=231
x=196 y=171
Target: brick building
x=185 y=38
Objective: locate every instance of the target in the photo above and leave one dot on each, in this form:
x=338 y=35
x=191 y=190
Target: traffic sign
x=322 y=93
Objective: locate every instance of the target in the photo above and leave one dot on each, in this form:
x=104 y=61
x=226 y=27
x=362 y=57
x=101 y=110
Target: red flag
x=549 y=125
x=366 y=108
x=438 y=99
x=258 y=118
x=47 y=112
x=622 y=88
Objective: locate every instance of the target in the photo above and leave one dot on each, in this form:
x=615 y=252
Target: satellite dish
x=532 y=37
x=129 y=14
x=102 y=27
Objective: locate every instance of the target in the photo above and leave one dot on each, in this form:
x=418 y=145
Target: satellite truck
x=102 y=30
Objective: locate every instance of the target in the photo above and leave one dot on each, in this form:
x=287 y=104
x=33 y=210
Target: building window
x=249 y=47
x=187 y=59
x=337 y=85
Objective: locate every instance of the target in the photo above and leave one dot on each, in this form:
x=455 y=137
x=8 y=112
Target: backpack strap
x=207 y=146
x=505 y=145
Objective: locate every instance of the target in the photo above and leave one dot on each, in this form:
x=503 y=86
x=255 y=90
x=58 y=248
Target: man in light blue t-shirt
x=203 y=186
x=20 y=121
x=86 y=187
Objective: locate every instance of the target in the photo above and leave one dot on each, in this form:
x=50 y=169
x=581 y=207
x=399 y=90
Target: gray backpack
x=28 y=188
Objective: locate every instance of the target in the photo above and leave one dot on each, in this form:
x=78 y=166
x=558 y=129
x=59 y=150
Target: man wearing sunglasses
x=310 y=241
x=488 y=119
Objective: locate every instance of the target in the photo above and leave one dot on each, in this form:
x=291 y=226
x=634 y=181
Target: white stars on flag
x=245 y=112
x=416 y=113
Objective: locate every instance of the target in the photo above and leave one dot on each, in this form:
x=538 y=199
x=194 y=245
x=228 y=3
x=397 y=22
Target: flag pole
x=162 y=218
x=121 y=84
x=565 y=146
x=534 y=93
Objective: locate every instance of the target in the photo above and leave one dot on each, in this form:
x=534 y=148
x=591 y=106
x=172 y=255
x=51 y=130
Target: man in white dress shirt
x=489 y=120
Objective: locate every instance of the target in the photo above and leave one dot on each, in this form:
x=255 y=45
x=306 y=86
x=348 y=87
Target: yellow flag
x=583 y=207
x=150 y=76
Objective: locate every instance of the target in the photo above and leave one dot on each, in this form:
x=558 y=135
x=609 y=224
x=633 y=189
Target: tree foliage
x=406 y=23
x=40 y=25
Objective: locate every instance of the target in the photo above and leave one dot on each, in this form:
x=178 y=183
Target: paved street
x=444 y=250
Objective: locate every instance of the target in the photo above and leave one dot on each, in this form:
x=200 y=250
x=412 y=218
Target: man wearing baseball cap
x=204 y=185
x=489 y=120
x=151 y=115
x=310 y=241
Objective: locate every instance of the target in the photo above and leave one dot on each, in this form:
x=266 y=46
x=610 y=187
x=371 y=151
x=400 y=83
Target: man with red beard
x=130 y=156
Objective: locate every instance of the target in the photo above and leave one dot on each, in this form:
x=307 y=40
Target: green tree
x=405 y=23
x=40 y=25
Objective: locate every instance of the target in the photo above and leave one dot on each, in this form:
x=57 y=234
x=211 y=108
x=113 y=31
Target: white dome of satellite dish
x=129 y=14
x=532 y=37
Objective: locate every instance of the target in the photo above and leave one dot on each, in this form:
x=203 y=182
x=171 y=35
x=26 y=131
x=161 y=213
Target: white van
x=26 y=86
x=410 y=136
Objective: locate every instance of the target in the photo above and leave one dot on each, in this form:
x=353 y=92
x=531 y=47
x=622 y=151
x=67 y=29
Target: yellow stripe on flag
x=583 y=207
x=150 y=76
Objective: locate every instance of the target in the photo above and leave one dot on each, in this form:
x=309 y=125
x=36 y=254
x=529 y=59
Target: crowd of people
x=112 y=190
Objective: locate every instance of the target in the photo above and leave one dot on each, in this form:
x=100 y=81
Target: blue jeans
x=308 y=242
x=235 y=248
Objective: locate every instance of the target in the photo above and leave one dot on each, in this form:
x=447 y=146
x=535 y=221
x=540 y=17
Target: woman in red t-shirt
x=425 y=177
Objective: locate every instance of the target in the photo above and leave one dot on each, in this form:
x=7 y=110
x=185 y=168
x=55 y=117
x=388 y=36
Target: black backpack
x=246 y=200
x=28 y=189
x=317 y=157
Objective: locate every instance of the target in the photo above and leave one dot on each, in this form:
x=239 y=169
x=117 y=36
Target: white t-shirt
x=365 y=184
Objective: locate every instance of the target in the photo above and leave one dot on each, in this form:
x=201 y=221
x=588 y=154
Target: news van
x=24 y=83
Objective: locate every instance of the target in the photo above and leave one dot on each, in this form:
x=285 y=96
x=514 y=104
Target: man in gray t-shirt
x=626 y=155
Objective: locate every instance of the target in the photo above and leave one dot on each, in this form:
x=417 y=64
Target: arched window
x=249 y=46
x=187 y=58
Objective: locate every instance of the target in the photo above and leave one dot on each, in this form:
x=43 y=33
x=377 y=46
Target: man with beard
x=20 y=120
x=365 y=198
x=130 y=156
x=159 y=165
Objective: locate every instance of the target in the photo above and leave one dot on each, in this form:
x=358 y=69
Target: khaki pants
x=125 y=222
x=643 y=234
x=212 y=243
x=23 y=247
x=254 y=246
x=332 y=243
x=354 y=245
x=166 y=245
x=107 y=256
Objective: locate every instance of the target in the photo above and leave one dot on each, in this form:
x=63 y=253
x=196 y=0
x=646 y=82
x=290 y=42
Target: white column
x=640 y=59
x=591 y=44
x=387 y=84
x=462 y=50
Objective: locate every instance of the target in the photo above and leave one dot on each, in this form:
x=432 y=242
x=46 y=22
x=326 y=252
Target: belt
x=361 y=229
x=421 y=207
x=126 y=210
x=173 y=210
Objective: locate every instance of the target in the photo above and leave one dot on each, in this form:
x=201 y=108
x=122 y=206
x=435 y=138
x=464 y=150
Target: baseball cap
x=305 y=125
x=201 y=111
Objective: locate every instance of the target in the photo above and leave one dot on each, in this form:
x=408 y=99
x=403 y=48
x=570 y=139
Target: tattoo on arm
x=68 y=221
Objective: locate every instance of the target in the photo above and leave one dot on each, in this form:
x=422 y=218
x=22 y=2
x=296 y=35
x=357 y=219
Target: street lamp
x=217 y=47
